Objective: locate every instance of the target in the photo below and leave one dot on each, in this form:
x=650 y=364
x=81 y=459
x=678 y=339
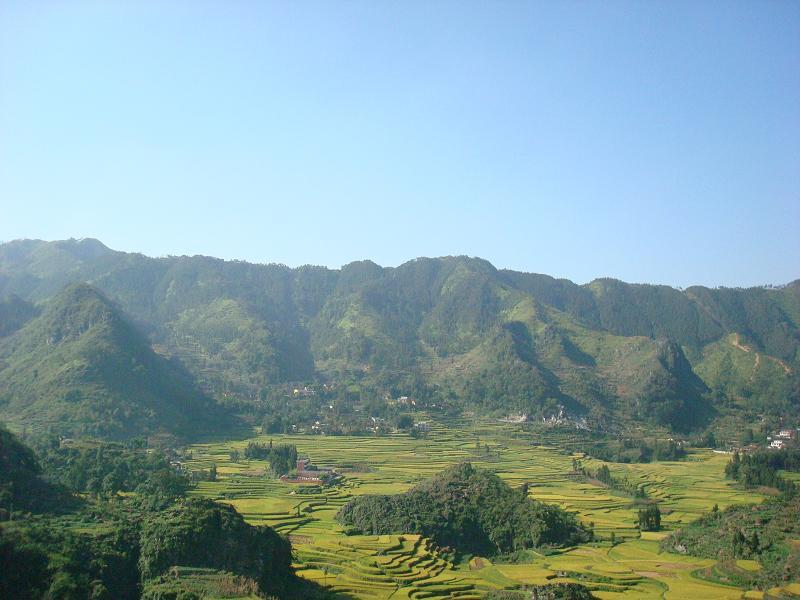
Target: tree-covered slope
x=671 y=393
x=149 y=542
x=767 y=532
x=22 y=487
x=469 y=510
x=81 y=368
x=201 y=533
x=455 y=326
x=14 y=313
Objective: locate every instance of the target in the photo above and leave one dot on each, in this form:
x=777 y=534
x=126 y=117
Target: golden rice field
x=406 y=566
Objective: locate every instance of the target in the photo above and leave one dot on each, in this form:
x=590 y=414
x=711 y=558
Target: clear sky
x=648 y=141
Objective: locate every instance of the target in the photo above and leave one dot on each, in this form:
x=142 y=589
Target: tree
x=732 y=468
x=755 y=543
x=24 y=568
x=650 y=518
x=604 y=475
x=162 y=488
x=709 y=440
x=739 y=543
x=405 y=422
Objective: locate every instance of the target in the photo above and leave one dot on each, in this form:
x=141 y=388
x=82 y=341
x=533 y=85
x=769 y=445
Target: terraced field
x=407 y=566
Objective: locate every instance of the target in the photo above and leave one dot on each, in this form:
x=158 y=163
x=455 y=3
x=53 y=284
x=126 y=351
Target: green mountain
x=452 y=330
x=80 y=368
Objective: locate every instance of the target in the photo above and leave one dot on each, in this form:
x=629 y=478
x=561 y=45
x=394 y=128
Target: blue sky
x=648 y=141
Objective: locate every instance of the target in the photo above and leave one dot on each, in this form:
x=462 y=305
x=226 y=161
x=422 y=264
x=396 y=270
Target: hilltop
x=450 y=331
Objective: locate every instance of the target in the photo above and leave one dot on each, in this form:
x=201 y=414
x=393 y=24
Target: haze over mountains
x=148 y=342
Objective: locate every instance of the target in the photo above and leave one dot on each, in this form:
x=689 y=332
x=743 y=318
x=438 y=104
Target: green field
x=405 y=566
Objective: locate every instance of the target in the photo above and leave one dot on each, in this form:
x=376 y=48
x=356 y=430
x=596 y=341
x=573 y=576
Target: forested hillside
x=154 y=543
x=469 y=510
x=22 y=486
x=81 y=369
x=765 y=532
x=452 y=331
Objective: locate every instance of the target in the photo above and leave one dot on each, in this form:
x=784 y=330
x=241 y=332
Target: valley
x=405 y=566
x=159 y=411
x=399 y=300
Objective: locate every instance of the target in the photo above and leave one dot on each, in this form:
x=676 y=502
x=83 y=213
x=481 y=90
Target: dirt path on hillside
x=737 y=343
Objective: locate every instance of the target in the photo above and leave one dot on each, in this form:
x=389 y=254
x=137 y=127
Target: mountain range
x=113 y=344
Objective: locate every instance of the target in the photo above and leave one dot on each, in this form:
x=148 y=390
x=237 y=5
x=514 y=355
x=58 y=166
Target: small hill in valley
x=468 y=509
x=202 y=533
x=81 y=368
x=767 y=532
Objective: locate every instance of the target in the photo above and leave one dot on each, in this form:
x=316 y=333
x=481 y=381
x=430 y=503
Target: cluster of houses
x=562 y=418
x=782 y=439
x=520 y=418
x=406 y=401
x=309 y=473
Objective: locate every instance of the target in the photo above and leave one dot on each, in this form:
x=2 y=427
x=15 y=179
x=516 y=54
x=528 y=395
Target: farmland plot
x=407 y=566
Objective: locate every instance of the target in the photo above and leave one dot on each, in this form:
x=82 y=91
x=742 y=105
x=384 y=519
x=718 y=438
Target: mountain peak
x=84 y=248
x=79 y=291
x=75 y=310
x=83 y=368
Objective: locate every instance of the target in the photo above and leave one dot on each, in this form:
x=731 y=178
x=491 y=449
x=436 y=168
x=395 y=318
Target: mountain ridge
x=75 y=245
x=450 y=327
